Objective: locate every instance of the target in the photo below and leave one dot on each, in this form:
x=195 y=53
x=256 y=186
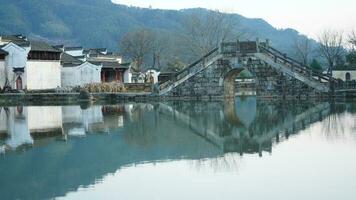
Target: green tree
x=315 y=65
x=351 y=58
x=175 y=65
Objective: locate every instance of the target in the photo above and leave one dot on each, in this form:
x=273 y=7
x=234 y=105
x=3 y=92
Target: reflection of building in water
x=20 y=124
x=79 y=122
x=113 y=116
x=45 y=119
x=15 y=121
x=96 y=119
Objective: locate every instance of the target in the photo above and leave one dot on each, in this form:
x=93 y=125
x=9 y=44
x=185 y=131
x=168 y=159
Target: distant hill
x=101 y=23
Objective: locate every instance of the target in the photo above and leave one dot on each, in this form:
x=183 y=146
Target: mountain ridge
x=102 y=23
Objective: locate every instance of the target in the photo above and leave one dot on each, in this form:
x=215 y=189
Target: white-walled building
x=152 y=75
x=76 y=52
x=347 y=73
x=43 y=67
x=29 y=65
x=3 y=70
x=128 y=74
x=77 y=73
x=12 y=66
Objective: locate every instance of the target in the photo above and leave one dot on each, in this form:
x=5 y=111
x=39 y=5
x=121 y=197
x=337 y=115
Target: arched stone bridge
x=276 y=74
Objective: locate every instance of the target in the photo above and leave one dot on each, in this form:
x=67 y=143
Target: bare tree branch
x=206 y=31
x=352 y=41
x=137 y=45
x=303 y=49
x=331 y=47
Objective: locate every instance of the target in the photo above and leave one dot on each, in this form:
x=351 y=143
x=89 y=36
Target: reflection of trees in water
x=333 y=126
x=227 y=162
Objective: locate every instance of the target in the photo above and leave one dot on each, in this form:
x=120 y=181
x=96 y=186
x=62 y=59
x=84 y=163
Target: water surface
x=241 y=149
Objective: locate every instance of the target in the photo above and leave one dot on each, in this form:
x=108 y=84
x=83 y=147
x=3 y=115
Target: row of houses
x=36 y=65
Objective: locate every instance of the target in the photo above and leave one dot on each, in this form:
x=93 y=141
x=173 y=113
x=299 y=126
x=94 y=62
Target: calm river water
x=241 y=149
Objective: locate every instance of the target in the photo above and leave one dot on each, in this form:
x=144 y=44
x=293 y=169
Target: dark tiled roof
x=345 y=68
x=69 y=61
x=111 y=65
x=100 y=49
x=60 y=46
x=42 y=46
x=72 y=48
x=97 y=51
x=79 y=57
x=2 y=52
x=125 y=64
x=19 y=40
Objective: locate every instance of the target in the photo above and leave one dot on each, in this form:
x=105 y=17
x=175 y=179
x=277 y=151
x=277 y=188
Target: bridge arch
x=229 y=80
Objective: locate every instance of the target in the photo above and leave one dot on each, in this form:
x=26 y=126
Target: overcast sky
x=307 y=16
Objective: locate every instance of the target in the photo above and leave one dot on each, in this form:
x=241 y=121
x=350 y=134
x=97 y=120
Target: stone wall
x=271 y=83
x=206 y=83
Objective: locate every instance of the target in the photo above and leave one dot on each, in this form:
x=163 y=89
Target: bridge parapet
x=242 y=48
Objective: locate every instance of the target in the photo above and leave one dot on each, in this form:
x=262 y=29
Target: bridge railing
x=295 y=65
x=192 y=68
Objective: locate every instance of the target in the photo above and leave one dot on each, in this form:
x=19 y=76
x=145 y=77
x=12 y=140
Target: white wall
x=43 y=74
x=154 y=74
x=2 y=73
x=89 y=73
x=17 y=58
x=342 y=74
x=75 y=52
x=70 y=77
x=128 y=76
x=80 y=75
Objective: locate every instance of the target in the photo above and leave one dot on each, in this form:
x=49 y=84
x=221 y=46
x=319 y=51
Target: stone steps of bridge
x=308 y=80
x=191 y=74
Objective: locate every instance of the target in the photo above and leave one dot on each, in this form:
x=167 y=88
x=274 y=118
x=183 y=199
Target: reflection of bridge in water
x=248 y=126
x=145 y=133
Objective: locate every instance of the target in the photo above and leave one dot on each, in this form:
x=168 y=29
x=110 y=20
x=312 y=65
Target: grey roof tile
x=42 y=46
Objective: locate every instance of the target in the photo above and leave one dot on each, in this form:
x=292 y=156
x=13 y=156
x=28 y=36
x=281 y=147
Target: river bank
x=73 y=98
